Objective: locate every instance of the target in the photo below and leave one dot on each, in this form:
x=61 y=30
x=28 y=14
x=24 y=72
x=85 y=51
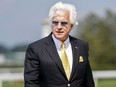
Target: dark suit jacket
x=43 y=66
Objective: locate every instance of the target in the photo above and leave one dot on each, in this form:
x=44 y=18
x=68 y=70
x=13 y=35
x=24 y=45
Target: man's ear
x=71 y=25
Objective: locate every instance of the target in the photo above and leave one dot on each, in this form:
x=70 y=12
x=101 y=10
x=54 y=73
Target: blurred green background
x=100 y=32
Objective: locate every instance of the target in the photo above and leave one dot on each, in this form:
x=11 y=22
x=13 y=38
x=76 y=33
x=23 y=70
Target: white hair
x=66 y=7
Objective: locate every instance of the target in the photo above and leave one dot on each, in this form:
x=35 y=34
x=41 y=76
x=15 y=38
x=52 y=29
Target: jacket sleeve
x=89 y=81
x=31 y=68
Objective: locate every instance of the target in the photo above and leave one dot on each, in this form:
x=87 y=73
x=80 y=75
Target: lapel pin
x=81 y=59
x=76 y=47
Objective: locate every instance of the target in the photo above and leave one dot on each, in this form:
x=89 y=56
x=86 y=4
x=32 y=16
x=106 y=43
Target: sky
x=21 y=21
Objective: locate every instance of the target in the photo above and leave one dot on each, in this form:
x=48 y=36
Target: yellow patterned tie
x=65 y=61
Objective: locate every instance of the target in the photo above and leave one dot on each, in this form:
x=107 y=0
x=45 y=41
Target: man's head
x=63 y=17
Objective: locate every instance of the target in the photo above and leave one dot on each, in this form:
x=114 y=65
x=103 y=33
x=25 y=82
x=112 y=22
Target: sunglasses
x=55 y=23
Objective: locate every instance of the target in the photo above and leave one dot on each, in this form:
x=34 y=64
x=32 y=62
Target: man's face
x=61 y=25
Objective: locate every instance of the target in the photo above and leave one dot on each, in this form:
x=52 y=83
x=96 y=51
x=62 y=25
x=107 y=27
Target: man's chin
x=59 y=37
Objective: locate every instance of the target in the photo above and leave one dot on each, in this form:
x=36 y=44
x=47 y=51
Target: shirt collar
x=58 y=42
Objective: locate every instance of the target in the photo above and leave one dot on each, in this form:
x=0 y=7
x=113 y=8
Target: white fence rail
x=103 y=75
x=19 y=76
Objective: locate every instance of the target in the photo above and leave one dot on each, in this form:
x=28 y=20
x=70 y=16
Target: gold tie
x=65 y=61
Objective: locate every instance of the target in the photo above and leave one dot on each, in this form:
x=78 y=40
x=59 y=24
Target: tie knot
x=63 y=45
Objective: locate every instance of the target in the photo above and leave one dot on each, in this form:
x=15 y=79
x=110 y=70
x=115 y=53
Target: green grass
x=13 y=83
x=107 y=83
x=101 y=83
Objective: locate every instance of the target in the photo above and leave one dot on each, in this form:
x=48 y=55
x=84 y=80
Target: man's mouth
x=59 y=32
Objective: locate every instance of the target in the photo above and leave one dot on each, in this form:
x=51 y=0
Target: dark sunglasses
x=63 y=23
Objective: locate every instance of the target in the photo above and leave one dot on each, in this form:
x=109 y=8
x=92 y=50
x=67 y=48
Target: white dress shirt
x=68 y=49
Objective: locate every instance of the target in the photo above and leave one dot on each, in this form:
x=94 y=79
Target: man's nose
x=59 y=26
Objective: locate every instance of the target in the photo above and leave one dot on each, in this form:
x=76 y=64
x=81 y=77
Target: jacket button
x=68 y=85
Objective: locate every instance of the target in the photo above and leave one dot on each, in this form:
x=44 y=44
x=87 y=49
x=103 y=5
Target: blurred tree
x=100 y=33
x=3 y=49
x=20 y=48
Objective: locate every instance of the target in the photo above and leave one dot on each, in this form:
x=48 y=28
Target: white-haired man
x=58 y=60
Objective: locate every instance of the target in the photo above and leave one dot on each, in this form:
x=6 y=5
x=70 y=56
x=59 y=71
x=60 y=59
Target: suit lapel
x=75 y=51
x=52 y=51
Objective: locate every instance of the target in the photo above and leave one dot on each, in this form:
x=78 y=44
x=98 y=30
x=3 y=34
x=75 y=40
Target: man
x=58 y=60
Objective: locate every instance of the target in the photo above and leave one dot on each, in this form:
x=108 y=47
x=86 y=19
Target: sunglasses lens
x=64 y=23
x=55 y=23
